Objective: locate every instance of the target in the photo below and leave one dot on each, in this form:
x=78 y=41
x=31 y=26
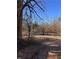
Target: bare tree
x=56 y=26
x=29 y=5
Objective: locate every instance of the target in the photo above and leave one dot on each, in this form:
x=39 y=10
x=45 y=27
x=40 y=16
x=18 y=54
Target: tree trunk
x=29 y=33
x=30 y=27
x=19 y=19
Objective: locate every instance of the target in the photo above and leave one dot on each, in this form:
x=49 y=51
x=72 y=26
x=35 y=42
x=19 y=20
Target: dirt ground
x=52 y=39
x=44 y=37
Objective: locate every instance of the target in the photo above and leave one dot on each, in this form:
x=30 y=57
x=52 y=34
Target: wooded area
x=28 y=45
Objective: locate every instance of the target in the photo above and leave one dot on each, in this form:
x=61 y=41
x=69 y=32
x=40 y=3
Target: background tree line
x=53 y=28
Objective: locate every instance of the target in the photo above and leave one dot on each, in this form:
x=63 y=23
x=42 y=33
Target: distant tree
x=35 y=25
x=43 y=28
x=56 y=26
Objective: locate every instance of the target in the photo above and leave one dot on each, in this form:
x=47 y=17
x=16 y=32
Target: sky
x=52 y=10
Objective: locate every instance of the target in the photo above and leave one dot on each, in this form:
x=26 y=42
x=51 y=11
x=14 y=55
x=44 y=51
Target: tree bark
x=19 y=19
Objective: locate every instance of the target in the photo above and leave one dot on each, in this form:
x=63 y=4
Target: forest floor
x=48 y=47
